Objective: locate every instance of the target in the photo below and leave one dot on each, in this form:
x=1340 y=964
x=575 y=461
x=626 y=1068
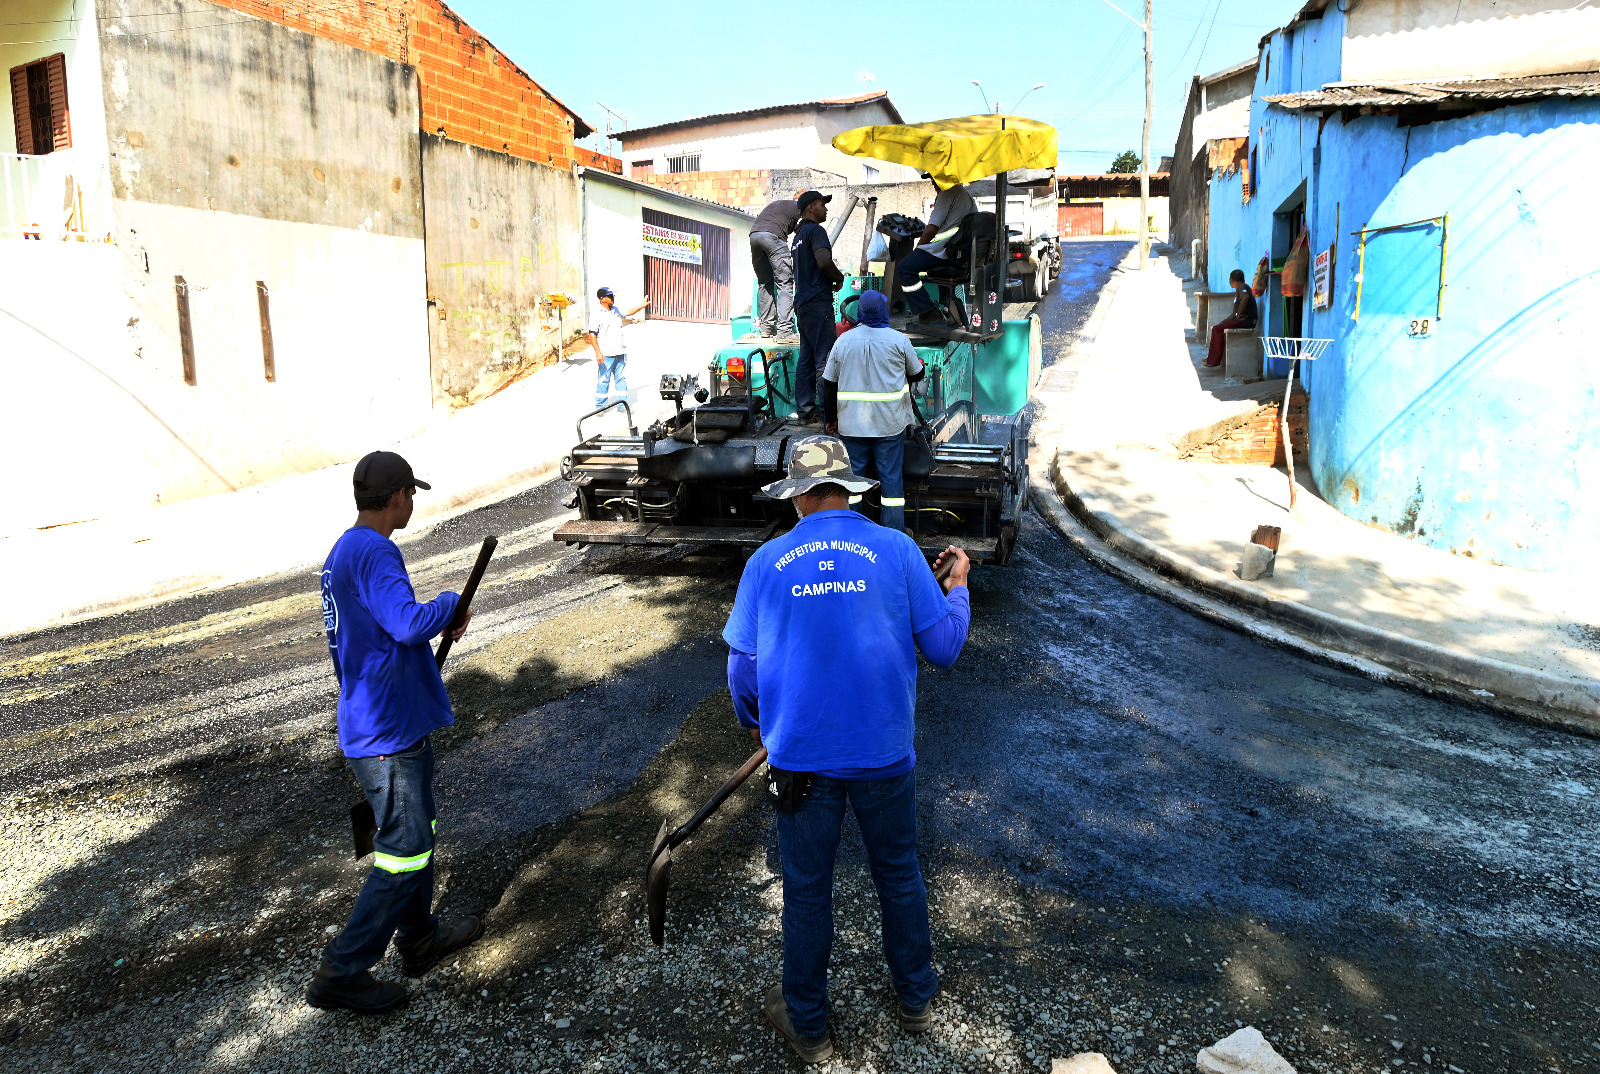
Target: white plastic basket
x=1296 y=347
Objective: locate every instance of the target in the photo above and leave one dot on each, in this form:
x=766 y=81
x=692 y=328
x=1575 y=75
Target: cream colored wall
x=614 y=243
x=1419 y=39
x=1122 y=215
x=85 y=165
x=794 y=140
x=95 y=377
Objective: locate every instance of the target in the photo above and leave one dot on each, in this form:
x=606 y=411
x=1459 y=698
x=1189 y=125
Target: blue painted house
x=1440 y=157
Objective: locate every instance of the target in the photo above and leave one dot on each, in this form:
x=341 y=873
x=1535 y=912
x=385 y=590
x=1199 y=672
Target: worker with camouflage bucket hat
x=822 y=665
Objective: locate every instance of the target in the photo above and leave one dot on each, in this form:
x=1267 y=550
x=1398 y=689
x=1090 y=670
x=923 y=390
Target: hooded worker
x=866 y=399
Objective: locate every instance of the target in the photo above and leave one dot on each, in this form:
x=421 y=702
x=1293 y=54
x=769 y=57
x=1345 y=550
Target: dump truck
x=1032 y=219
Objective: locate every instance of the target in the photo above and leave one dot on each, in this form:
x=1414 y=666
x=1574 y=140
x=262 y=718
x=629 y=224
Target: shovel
x=363 y=824
x=659 y=870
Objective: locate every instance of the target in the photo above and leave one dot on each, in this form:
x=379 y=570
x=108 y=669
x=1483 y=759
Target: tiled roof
x=1445 y=93
x=772 y=110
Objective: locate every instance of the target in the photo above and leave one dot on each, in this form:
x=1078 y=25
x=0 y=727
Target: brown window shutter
x=60 y=118
x=19 y=109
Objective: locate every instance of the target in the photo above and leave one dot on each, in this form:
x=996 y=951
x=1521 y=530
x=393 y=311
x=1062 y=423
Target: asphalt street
x=1140 y=831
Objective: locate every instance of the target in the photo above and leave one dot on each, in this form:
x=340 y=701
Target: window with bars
x=39 y=105
x=683 y=162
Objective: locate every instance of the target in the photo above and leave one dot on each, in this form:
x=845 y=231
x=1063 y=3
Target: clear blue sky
x=656 y=62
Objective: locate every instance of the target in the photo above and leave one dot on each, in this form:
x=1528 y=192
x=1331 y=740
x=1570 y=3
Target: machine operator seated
x=953 y=204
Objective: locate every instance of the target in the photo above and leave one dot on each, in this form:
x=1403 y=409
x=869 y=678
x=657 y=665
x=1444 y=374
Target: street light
x=982 y=94
x=1017 y=108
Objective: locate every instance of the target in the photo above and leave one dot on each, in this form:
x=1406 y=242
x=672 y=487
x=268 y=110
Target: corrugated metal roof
x=1440 y=93
x=1228 y=72
x=773 y=110
x=1109 y=175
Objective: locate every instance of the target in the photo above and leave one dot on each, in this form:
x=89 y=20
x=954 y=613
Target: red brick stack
x=1259 y=441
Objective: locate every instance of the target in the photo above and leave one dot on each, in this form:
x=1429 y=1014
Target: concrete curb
x=1555 y=700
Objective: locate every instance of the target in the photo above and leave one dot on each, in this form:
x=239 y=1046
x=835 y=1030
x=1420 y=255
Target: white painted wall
x=1419 y=39
x=34 y=189
x=96 y=401
x=614 y=244
x=792 y=140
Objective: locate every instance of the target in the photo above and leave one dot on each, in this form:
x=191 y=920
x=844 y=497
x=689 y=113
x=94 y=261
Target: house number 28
x=1421 y=326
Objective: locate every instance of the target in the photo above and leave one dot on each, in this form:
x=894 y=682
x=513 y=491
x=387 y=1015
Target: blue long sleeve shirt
x=839 y=689
x=390 y=691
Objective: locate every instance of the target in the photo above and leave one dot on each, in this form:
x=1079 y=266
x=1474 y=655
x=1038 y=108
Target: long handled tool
x=659 y=869
x=363 y=824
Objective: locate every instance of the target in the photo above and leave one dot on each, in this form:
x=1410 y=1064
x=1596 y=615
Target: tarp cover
x=957 y=150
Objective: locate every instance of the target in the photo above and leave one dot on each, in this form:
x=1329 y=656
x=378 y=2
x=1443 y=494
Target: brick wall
x=741 y=189
x=598 y=161
x=1259 y=442
x=471 y=92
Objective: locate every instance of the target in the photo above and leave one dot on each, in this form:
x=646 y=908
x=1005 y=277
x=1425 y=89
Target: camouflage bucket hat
x=817 y=460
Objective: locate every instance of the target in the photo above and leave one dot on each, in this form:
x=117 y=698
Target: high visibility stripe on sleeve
x=893 y=501
x=946 y=233
x=391 y=864
x=874 y=397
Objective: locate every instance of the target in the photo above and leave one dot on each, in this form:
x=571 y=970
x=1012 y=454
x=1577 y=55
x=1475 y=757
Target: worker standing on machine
x=952 y=205
x=391 y=699
x=816 y=279
x=774 y=269
x=866 y=400
x=822 y=665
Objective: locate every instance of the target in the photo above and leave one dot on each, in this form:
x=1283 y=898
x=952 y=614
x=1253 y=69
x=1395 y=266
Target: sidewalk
x=508 y=442
x=1119 y=412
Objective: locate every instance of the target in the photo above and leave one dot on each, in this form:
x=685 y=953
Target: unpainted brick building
x=471 y=91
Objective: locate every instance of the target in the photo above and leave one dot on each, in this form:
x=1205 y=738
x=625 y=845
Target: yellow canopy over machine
x=957 y=150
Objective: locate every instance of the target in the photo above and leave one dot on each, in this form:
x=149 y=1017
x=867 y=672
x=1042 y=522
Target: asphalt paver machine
x=696 y=477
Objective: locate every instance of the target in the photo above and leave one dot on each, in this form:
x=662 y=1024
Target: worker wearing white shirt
x=953 y=205
x=605 y=336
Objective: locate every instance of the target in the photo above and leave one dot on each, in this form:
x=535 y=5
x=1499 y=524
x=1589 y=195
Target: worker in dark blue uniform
x=822 y=665
x=816 y=279
x=391 y=698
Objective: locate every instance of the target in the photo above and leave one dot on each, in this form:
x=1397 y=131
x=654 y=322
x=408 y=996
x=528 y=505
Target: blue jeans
x=610 y=369
x=398 y=894
x=817 y=333
x=808 y=839
x=888 y=454
x=919 y=295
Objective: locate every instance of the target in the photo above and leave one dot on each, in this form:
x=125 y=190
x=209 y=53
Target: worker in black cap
x=391 y=698
x=816 y=278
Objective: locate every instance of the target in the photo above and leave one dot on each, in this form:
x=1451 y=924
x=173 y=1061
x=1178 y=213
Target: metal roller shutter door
x=683 y=292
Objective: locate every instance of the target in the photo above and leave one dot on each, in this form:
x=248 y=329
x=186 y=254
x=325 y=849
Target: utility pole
x=1149 y=28
x=1144 y=167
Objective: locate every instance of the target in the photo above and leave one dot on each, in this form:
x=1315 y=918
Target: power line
x=247 y=17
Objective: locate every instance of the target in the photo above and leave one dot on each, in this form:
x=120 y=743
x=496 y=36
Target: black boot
x=362 y=993
x=421 y=958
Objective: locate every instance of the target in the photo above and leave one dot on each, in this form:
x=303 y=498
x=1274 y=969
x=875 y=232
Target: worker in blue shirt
x=391 y=698
x=822 y=665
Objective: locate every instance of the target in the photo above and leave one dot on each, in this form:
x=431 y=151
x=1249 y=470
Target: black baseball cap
x=810 y=196
x=605 y=292
x=380 y=470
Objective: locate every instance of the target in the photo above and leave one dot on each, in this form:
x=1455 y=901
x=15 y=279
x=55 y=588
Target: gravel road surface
x=1140 y=831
